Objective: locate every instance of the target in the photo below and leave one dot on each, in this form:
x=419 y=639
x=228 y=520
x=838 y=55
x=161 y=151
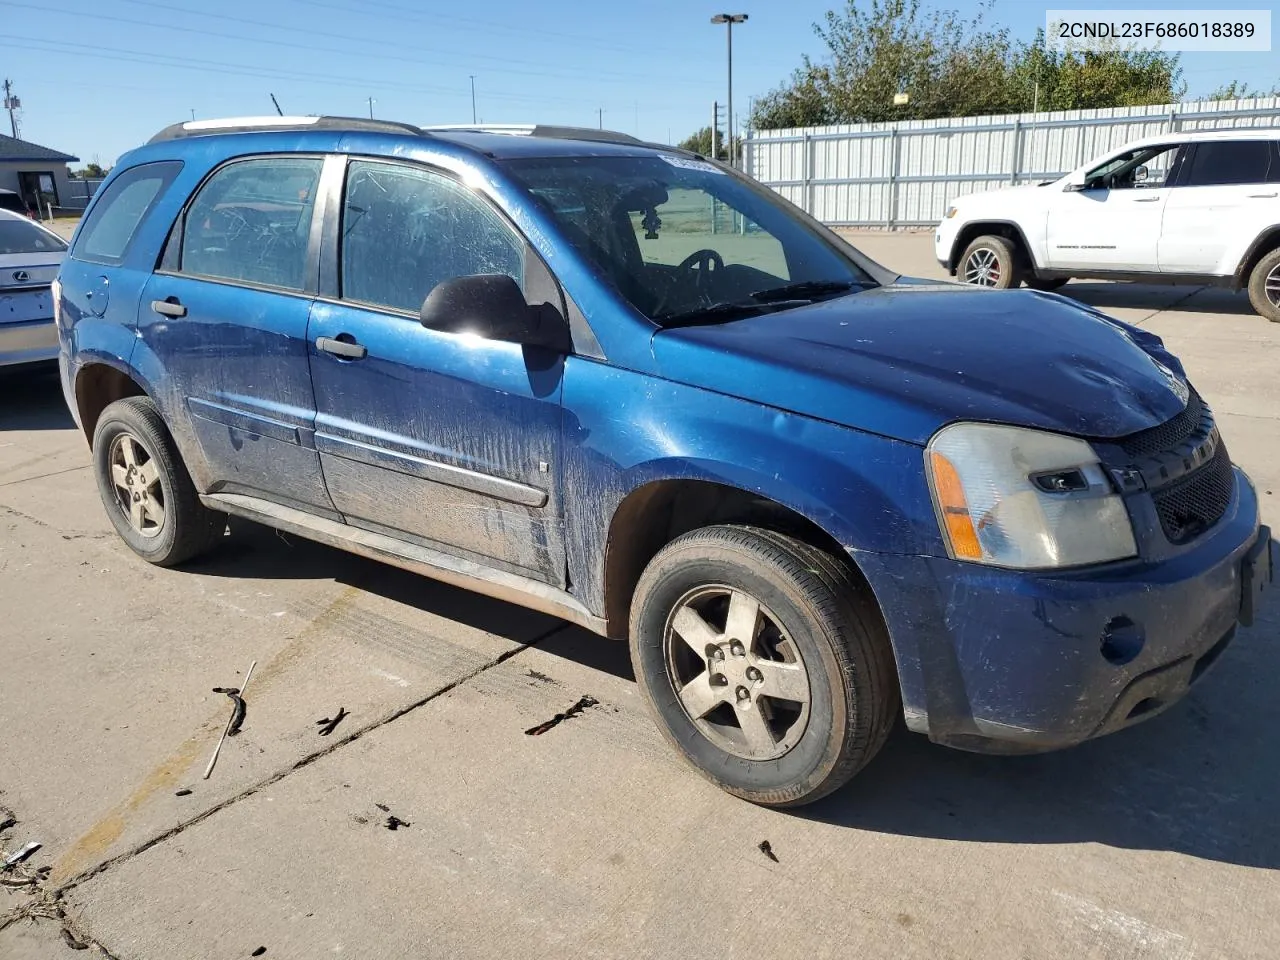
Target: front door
x=225 y=318
x=1113 y=222
x=443 y=439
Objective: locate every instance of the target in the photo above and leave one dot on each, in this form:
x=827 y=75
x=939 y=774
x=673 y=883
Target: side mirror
x=492 y=306
x=1140 y=173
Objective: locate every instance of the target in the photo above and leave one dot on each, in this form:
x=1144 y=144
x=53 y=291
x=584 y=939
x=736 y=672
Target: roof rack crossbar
x=205 y=128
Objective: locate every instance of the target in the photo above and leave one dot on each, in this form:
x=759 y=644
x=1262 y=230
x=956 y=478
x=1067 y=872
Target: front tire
x=1264 y=286
x=764 y=663
x=992 y=262
x=146 y=489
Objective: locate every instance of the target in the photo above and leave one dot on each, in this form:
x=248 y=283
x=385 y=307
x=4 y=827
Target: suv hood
x=904 y=360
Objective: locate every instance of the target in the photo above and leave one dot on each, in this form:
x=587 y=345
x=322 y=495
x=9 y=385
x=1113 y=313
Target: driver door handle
x=169 y=307
x=1145 y=199
x=342 y=348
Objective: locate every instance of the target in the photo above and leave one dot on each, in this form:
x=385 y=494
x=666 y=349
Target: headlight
x=1013 y=497
x=951 y=212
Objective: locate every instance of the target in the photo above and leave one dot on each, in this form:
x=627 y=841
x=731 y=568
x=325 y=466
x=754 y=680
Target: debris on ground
x=540 y=677
x=259 y=952
x=767 y=849
x=395 y=823
x=327 y=725
x=237 y=716
x=383 y=807
x=21 y=855
x=184 y=792
x=583 y=704
x=69 y=939
x=7 y=821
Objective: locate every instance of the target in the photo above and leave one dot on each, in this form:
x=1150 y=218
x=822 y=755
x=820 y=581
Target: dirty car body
x=769 y=377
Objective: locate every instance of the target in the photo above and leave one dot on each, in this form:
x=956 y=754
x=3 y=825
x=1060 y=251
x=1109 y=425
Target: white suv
x=1183 y=208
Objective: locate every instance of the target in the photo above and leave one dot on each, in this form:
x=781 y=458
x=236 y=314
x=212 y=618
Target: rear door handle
x=1262 y=196
x=169 y=307
x=1145 y=199
x=341 y=348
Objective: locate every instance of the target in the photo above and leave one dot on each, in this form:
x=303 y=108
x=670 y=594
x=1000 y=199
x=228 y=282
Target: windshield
x=684 y=241
x=16 y=236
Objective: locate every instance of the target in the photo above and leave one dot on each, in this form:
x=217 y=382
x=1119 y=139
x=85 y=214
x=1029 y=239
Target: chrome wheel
x=982 y=268
x=738 y=676
x=1271 y=286
x=135 y=479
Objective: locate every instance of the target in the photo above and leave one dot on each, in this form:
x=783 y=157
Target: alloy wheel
x=1271 y=286
x=135 y=479
x=982 y=268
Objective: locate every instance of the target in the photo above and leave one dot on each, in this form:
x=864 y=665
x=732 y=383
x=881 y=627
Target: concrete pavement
x=593 y=839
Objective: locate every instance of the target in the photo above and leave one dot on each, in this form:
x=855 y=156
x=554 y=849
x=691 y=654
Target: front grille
x=1195 y=503
x=1169 y=434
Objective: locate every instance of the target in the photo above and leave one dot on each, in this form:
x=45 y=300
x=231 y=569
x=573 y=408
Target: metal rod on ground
x=218 y=749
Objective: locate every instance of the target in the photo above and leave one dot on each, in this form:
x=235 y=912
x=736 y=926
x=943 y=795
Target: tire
x=995 y=264
x=1037 y=283
x=1264 y=286
x=153 y=503
x=812 y=614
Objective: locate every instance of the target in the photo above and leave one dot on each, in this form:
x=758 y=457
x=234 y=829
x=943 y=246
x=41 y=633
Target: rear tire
x=992 y=262
x=146 y=489
x=764 y=663
x=1264 y=286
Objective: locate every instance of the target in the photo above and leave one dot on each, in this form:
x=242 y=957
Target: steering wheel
x=701 y=267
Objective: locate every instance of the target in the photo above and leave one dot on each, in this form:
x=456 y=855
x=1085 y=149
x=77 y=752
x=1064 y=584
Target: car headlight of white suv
x=1024 y=499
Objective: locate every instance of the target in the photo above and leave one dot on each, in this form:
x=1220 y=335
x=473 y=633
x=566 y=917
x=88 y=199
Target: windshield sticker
x=686 y=164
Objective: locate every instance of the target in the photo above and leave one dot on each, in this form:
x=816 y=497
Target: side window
x=1147 y=168
x=251 y=221
x=1224 y=162
x=116 y=215
x=405 y=230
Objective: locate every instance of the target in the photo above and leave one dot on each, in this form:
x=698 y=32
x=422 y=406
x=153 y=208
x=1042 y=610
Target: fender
x=1266 y=239
x=967 y=233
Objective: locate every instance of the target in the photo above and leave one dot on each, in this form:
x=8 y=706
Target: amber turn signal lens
x=955 y=509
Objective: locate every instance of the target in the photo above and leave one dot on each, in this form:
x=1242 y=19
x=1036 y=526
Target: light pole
x=729 y=19
x=371 y=103
x=473 y=98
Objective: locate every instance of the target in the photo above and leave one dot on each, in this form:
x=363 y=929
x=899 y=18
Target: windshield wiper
x=719 y=313
x=803 y=289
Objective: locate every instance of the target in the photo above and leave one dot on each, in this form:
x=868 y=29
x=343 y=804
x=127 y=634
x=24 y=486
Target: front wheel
x=990 y=261
x=146 y=489
x=1264 y=286
x=763 y=662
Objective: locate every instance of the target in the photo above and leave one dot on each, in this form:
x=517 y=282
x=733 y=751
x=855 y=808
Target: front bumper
x=28 y=342
x=1006 y=661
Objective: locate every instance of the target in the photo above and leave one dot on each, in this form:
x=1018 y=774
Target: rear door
x=446 y=440
x=225 y=316
x=1223 y=182
x=1113 y=222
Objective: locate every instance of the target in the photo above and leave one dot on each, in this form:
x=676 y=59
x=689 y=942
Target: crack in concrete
x=87 y=875
x=46 y=476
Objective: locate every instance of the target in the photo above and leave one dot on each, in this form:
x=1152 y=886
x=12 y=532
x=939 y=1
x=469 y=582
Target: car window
x=18 y=236
x=693 y=220
x=119 y=210
x=1146 y=168
x=251 y=221
x=405 y=230
x=1229 y=161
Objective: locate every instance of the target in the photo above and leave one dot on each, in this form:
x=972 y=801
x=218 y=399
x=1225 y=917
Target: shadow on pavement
x=1148 y=296
x=1201 y=779
x=31 y=399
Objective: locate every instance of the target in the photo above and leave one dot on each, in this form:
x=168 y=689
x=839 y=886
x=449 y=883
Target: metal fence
x=903 y=174
x=79 y=193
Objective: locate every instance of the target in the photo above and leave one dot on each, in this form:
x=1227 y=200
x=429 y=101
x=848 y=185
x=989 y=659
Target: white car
x=30 y=257
x=1182 y=208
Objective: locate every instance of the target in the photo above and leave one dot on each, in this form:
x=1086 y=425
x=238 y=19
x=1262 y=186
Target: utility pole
x=600 y=113
x=473 y=98
x=715 y=129
x=12 y=104
x=371 y=103
x=729 y=19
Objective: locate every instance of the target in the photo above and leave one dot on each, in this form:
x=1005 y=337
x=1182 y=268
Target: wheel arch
x=100 y=382
x=1266 y=241
x=1001 y=228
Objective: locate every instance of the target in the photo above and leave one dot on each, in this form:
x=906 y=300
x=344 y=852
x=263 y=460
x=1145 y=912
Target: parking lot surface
x=592 y=839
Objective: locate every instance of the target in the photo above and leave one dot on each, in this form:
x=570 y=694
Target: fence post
x=1173 y=121
x=806 y=161
x=1016 y=160
x=891 y=186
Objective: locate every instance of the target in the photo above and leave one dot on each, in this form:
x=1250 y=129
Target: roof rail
x=205 y=128
x=590 y=134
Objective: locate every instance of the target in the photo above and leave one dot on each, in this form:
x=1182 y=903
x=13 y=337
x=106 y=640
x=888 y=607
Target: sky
x=97 y=78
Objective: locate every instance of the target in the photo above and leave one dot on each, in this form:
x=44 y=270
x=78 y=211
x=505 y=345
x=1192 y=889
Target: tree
x=1235 y=90
x=91 y=171
x=700 y=142
x=950 y=66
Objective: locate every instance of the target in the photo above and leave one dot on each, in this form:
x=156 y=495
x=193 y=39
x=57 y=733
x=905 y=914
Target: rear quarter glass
x=120 y=209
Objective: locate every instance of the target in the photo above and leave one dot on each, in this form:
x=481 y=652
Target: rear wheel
x=764 y=663
x=1264 y=286
x=990 y=261
x=146 y=489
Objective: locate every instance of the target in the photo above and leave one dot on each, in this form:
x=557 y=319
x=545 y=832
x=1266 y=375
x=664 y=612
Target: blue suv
x=625 y=385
